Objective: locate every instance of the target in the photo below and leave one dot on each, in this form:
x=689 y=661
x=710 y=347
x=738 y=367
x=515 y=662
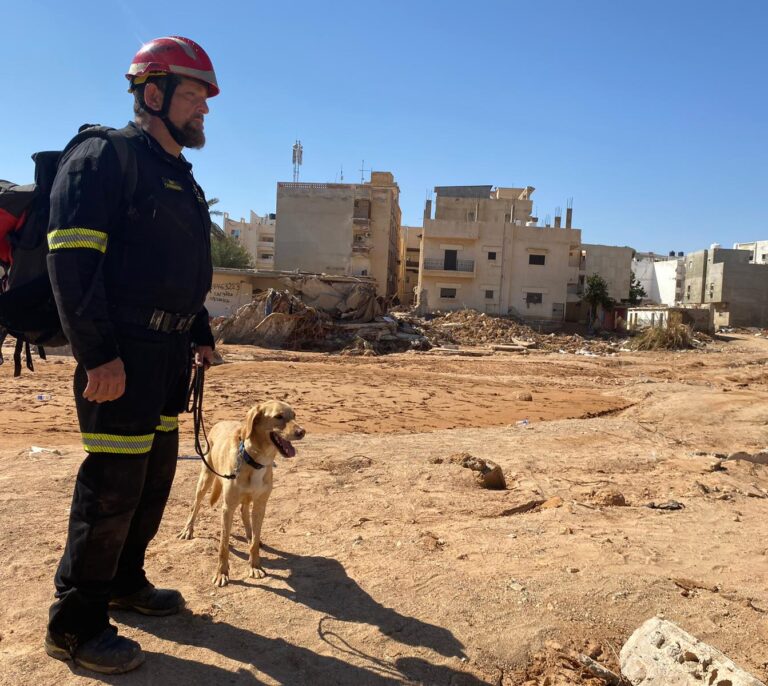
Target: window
x=364 y=272
x=235 y=233
x=266 y=256
x=447 y=292
x=536 y=259
x=508 y=217
x=488 y=295
x=533 y=299
x=470 y=216
x=491 y=255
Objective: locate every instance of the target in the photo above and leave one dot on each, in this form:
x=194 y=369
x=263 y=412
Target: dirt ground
x=387 y=565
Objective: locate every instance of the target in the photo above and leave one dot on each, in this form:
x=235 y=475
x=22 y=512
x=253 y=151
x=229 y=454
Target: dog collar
x=241 y=452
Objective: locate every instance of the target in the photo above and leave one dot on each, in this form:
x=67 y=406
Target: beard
x=191 y=135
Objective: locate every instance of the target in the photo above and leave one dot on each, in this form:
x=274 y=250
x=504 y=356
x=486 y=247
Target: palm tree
x=596 y=295
x=216 y=229
x=226 y=251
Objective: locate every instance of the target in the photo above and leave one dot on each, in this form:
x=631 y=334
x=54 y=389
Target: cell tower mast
x=298 y=159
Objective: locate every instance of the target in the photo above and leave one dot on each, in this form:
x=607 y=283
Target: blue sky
x=650 y=115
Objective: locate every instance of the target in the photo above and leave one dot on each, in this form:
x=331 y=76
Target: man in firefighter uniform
x=130 y=276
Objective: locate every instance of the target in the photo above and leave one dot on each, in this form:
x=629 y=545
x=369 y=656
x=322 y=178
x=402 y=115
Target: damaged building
x=343 y=229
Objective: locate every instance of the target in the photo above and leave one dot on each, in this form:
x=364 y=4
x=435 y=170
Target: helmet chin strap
x=171 y=83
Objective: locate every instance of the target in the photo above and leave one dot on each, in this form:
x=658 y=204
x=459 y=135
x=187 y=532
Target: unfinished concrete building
x=339 y=228
x=613 y=264
x=729 y=283
x=484 y=250
x=257 y=236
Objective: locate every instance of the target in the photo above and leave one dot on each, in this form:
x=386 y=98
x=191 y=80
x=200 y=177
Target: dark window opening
x=450 y=260
x=491 y=255
x=489 y=295
x=536 y=259
x=533 y=298
x=447 y=292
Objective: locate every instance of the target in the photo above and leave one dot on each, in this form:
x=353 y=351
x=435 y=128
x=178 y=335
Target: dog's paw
x=185 y=534
x=221 y=579
x=257 y=573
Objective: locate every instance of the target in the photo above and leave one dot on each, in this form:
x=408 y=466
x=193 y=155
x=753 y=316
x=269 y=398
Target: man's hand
x=203 y=356
x=106 y=382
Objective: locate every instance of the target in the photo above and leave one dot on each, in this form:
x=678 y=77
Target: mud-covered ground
x=386 y=563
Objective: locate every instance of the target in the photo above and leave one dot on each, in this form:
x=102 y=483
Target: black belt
x=154 y=320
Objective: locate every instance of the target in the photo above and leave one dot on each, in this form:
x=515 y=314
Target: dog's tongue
x=285 y=447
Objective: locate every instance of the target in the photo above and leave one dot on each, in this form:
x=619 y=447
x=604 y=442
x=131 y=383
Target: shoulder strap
x=127 y=157
x=125 y=153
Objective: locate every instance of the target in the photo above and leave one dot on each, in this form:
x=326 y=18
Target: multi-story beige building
x=257 y=236
x=484 y=250
x=338 y=228
x=730 y=283
x=409 y=248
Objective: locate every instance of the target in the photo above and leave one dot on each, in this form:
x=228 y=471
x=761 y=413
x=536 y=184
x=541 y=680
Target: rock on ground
x=660 y=653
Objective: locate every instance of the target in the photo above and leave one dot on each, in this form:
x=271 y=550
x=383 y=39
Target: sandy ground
x=387 y=565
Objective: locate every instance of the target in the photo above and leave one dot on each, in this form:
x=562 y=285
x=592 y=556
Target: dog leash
x=196 y=408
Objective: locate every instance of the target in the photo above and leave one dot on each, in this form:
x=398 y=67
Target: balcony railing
x=457 y=266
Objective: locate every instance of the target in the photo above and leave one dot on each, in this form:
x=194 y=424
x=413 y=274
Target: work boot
x=149 y=600
x=106 y=653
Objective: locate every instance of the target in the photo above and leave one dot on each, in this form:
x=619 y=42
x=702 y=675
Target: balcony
x=460 y=268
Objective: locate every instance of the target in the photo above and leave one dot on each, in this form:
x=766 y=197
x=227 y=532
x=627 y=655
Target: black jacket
x=106 y=258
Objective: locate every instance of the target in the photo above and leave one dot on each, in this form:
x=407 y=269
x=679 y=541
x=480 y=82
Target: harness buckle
x=158 y=319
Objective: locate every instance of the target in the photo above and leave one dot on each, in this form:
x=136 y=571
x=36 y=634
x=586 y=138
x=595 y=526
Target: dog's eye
x=279 y=416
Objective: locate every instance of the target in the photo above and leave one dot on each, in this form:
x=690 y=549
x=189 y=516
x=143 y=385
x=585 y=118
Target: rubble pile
x=275 y=319
x=279 y=319
x=470 y=327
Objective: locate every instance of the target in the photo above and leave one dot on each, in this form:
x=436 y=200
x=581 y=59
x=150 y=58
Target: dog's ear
x=253 y=416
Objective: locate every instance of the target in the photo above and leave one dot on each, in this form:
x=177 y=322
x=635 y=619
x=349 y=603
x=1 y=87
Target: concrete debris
x=756 y=458
x=669 y=505
x=660 y=653
x=328 y=317
x=488 y=474
x=274 y=319
x=505 y=334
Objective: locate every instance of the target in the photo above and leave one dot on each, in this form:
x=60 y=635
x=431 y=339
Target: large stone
x=660 y=653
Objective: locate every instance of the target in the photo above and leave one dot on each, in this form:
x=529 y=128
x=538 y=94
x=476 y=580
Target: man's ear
x=253 y=416
x=153 y=96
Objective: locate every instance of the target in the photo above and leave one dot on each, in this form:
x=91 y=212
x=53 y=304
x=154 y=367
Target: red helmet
x=173 y=55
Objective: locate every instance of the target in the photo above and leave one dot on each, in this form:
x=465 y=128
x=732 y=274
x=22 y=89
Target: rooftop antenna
x=298 y=159
x=362 y=172
x=342 y=174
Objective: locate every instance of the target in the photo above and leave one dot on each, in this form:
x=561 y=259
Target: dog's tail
x=215 y=491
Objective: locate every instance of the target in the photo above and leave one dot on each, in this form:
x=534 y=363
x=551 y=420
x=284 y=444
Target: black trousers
x=123 y=484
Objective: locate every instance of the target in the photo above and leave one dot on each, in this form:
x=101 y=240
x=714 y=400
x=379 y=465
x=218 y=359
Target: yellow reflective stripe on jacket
x=167 y=423
x=115 y=443
x=77 y=238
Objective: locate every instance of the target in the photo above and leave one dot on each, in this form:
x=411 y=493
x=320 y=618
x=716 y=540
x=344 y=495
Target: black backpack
x=27 y=306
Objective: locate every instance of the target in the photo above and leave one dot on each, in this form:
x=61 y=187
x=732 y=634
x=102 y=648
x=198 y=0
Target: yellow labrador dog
x=247 y=450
